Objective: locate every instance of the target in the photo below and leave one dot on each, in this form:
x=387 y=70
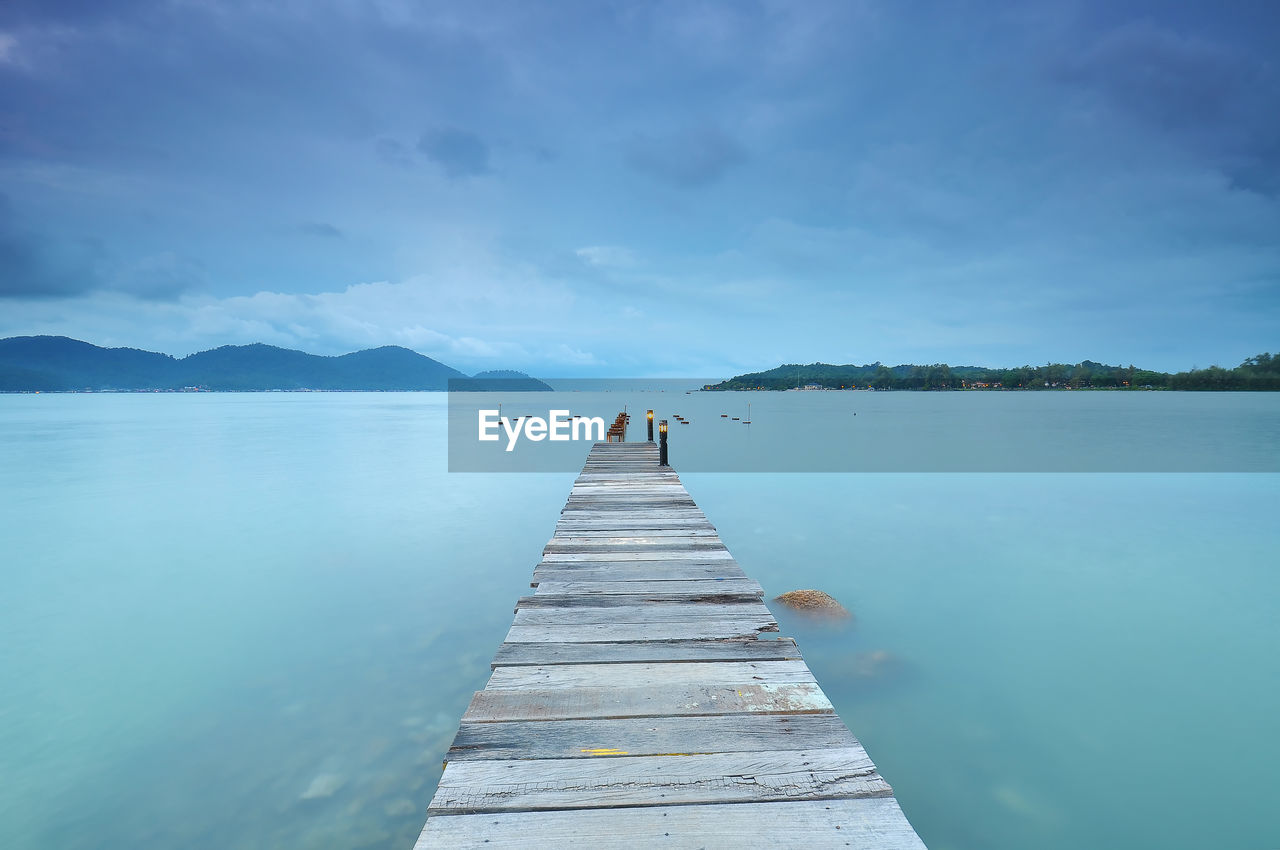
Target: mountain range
x=59 y=363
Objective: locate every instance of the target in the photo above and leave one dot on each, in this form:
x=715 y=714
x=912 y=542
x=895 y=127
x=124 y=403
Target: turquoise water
x=251 y=621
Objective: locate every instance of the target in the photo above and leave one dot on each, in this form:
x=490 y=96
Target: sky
x=643 y=189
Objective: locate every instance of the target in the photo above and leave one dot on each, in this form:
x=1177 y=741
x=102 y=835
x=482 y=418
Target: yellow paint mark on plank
x=604 y=751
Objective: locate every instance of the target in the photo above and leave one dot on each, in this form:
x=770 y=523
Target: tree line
x=1261 y=372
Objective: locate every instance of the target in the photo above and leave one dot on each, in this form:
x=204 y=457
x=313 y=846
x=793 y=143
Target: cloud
x=159 y=277
x=695 y=157
x=322 y=229
x=73 y=12
x=460 y=153
x=612 y=256
x=392 y=152
x=567 y=355
x=1216 y=100
x=1176 y=81
x=33 y=266
x=8 y=49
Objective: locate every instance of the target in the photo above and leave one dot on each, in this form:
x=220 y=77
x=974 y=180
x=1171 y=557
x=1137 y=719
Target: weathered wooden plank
x=649 y=675
x=635 y=485
x=658 y=572
x=633 y=544
x=652 y=588
x=598 y=512
x=627 y=632
x=744 y=777
x=641 y=570
x=547 y=652
x=640 y=563
x=611 y=504
x=613 y=535
x=875 y=822
x=603 y=555
x=639 y=554
x=632 y=483
x=642 y=526
x=656 y=537
x=586 y=512
x=675 y=565
x=647 y=736
x=609 y=535
x=618 y=600
x=631 y=506
x=753 y=612
x=632 y=495
x=645 y=502
x=601 y=703
x=645 y=497
x=621 y=518
x=623 y=522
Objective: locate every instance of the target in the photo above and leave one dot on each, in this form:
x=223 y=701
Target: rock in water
x=399 y=807
x=814 y=602
x=875 y=664
x=324 y=785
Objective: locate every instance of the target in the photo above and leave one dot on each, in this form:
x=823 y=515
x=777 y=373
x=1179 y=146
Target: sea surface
x=253 y=620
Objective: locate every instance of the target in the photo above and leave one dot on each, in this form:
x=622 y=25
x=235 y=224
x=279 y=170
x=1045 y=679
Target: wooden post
x=662 y=443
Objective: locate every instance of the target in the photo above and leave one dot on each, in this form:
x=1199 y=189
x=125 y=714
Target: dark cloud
x=460 y=153
x=322 y=229
x=1173 y=80
x=162 y=277
x=1217 y=100
x=392 y=152
x=1259 y=171
x=541 y=153
x=180 y=85
x=33 y=265
x=30 y=267
x=75 y=12
x=690 y=158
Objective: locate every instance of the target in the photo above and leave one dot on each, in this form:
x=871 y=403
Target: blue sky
x=651 y=188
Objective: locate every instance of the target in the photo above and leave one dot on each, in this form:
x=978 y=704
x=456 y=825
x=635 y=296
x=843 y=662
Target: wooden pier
x=635 y=702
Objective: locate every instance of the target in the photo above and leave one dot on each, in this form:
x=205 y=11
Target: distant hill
x=54 y=363
x=266 y=367
x=499 y=380
x=58 y=363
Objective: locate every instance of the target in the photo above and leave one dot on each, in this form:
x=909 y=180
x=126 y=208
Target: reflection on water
x=251 y=621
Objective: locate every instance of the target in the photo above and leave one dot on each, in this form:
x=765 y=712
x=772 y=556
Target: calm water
x=252 y=621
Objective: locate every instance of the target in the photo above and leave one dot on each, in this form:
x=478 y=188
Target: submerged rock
x=814 y=602
x=875 y=663
x=399 y=807
x=324 y=785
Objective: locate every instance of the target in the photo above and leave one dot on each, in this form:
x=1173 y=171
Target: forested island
x=61 y=364
x=1261 y=372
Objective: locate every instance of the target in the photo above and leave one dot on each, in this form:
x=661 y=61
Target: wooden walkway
x=635 y=704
